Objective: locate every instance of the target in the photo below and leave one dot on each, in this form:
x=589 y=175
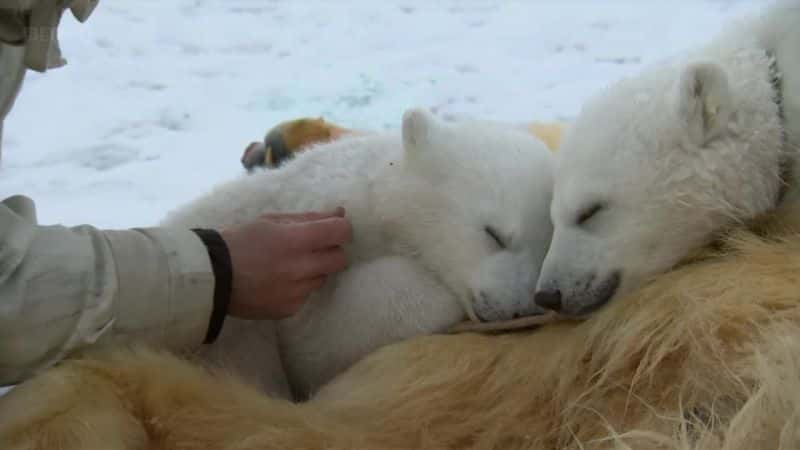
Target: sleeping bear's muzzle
x=576 y=296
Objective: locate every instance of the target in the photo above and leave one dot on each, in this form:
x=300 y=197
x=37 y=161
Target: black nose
x=548 y=299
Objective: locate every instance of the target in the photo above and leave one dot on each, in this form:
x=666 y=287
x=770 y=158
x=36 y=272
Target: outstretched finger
x=304 y=288
x=304 y=216
x=319 y=264
x=321 y=234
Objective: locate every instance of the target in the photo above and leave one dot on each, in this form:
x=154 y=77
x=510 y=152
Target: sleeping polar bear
x=699 y=142
x=450 y=222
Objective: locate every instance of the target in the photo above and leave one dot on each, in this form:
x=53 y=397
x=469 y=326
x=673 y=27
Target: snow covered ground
x=159 y=98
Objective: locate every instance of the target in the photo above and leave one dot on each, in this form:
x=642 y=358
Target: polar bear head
x=473 y=200
x=652 y=169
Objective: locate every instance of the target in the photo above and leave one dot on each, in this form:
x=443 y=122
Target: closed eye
x=496 y=236
x=587 y=213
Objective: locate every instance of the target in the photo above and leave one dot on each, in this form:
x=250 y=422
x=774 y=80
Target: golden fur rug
x=704 y=357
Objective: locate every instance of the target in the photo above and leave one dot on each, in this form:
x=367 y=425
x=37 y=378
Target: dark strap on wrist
x=223 y=280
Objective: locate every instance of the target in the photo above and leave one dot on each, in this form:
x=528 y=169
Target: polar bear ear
x=704 y=101
x=425 y=143
x=424 y=140
x=418 y=127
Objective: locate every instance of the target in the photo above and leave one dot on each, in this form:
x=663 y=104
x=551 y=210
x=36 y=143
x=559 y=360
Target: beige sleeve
x=63 y=287
x=33 y=24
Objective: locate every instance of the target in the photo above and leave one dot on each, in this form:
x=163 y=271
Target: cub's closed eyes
x=495 y=236
x=587 y=213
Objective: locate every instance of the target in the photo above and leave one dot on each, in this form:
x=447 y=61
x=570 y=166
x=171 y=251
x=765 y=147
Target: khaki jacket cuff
x=165 y=286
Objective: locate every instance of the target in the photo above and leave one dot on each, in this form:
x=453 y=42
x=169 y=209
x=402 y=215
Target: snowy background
x=159 y=98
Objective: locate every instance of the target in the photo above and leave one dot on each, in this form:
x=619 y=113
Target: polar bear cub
x=450 y=221
x=659 y=163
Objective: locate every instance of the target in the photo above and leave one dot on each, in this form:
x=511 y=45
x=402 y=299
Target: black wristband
x=223 y=279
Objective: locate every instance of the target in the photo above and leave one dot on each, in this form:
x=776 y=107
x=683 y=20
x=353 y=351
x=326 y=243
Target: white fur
x=421 y=260
x=672 y=155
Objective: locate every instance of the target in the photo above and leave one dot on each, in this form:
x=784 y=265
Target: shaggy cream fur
x=706 y=356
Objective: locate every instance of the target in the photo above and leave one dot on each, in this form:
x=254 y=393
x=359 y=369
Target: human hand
x=279 y=259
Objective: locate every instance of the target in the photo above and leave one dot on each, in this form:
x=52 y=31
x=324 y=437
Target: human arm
x=62 y=288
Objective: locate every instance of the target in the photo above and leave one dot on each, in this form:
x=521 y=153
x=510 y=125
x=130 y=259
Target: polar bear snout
x=502 y=287
x=494 y=306
x=577 y=296
x=549 y=299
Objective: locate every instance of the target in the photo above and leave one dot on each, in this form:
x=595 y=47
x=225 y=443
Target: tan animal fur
x=551 y=133
x=704 y=357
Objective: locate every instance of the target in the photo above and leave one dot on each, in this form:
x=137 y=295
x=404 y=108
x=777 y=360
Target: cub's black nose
x=548 y=299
